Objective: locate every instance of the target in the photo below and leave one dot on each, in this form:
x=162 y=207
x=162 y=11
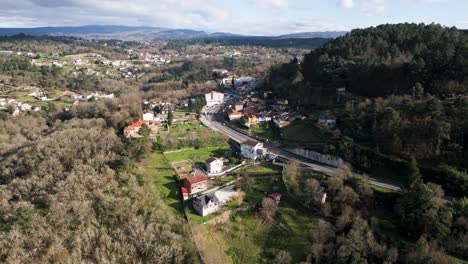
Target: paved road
x=210 y=120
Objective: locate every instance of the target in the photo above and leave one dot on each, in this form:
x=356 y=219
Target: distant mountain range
x=136 y=33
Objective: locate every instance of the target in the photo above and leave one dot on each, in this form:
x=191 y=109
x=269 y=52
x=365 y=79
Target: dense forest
x=403 y=114
x=252 y=41
x=391 y=59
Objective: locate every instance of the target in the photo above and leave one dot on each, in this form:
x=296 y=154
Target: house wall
x=322 y=158
x=215 y=167
x=250 y=152
x=196 y=187
x=207 y=209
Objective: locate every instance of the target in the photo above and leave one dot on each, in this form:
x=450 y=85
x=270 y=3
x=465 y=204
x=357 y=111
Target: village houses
x=252 y=150
x=327 y=120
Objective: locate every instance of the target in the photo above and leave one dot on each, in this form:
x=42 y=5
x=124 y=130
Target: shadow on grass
x=219 y=152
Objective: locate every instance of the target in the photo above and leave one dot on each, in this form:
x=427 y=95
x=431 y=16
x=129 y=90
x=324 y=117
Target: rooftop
x=198 y=177
x=250 y=143
x=212 y=159
x=205 y=199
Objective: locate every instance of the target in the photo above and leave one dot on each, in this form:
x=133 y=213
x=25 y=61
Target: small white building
x=214 y=165
x=148 y=116
x=327 y=120
x=26 y=107
x=251 y=149
x=214 y=98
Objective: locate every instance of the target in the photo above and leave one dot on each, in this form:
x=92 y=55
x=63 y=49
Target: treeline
x=391 y=59
x=361 y=225
x=308 y=43
x=58 y=44
x=384 y=60
x=406 y=97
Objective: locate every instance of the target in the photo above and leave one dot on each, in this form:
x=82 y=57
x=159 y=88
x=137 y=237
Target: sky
x=251 y=17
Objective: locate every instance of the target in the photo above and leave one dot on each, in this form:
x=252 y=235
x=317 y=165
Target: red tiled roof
x=139 y=123
x=134 y=125
x=210 y=160
x=184 y=190
x=196 y=178
x=234 y=112
x=275 y=195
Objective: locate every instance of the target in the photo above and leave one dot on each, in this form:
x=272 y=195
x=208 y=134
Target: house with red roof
x=196 y=182
x=234 y=115
x=131 y=131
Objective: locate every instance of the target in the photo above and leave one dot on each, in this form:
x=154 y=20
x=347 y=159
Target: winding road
x=212 y=119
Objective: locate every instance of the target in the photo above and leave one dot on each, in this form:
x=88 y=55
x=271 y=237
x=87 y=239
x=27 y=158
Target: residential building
x=239 y=106
x=214 y=98
x=131 y=131
x=196 y=182
x=166 y=108
x=249 y=120
x=214 y=165
x=251 y=149
x=26 y=107
x=206 y=204
x=234 y=115
x=327 y=120
x=148 y=116
x=185 y=193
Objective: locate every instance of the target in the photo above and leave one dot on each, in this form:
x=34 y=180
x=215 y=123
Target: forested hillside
x=406 y=88
x=391 y=59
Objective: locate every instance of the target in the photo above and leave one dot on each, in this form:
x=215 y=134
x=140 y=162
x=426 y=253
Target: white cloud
x=373 y=7
x=462 y=24
x=270 y=4
x=166 y=13
x=345 y=3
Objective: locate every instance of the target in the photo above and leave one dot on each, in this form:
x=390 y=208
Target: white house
x=251 y=149
x=206 y=204
x=214 y=98
x=214 y=165
x=239 y=106
x=148 y=116
x=327 y=120
x=26 y=107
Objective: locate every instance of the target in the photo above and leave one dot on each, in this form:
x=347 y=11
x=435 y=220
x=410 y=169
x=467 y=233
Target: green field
x=303 y=131
x=264 y=169
x=245 y=239
x=262 y=131
x=197 y=155
x=158 y=168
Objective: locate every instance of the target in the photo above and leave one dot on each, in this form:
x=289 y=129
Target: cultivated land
x=163 y=176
